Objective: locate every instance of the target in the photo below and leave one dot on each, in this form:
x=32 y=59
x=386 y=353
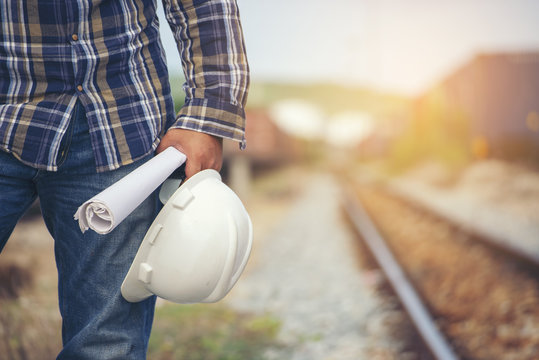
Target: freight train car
x=498 y=95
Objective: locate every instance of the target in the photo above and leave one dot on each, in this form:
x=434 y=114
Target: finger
x=191 y=168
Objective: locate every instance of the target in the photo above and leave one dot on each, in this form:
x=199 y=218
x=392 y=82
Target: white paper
x=103 y=212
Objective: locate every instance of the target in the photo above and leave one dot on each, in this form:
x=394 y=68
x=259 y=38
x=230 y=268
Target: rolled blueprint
x=103 y=212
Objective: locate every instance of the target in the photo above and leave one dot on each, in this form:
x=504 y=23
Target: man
x=84 y=100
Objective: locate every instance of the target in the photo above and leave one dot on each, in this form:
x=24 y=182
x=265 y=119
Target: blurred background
x=429 y=112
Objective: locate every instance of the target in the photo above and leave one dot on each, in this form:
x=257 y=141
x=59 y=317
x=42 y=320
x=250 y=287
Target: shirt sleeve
x=212 y=50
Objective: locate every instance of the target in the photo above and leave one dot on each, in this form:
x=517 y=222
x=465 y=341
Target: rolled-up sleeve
x=212 y=50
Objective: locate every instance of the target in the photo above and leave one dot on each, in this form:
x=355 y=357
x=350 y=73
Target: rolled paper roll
x=103 y=212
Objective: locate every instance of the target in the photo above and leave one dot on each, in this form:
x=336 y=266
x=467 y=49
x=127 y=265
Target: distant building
x=267 y=145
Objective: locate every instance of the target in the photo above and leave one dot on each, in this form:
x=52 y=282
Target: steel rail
x=420 y=316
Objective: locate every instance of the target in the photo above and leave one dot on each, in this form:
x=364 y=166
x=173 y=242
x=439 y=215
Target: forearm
x=211 y=45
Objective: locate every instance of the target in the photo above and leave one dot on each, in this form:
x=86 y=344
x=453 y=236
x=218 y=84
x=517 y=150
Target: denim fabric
x=97 y=322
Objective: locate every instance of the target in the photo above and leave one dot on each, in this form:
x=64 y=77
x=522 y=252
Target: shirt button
x=79 y=87
x=75 y=37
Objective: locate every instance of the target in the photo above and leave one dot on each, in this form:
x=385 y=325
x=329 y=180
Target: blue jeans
x=97 y=323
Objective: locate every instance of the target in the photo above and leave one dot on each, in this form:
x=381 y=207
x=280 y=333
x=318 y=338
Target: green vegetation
x=193 y=332
x=176 y=89
x=331 y=98
x=437 y=131
x=428 y=128
x=210 y=332
x=25 y=333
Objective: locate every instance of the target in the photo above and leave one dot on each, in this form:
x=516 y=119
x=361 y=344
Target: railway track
x=510 y=240
x=435 y=341
x=454 y=331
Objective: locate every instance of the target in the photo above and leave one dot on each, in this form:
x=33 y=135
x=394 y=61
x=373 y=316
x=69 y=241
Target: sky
x=403 y=46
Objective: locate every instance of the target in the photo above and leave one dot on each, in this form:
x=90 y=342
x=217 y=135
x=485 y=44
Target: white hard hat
x=197 y=246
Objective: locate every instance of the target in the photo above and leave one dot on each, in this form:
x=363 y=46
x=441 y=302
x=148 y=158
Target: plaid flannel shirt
x=108 y=55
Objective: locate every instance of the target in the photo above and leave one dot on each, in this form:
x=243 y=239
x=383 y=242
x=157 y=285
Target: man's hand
x=203 y=151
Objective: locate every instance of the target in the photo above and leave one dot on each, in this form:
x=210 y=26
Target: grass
x=193 y=332
x=210 y=332
x=26 y=334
